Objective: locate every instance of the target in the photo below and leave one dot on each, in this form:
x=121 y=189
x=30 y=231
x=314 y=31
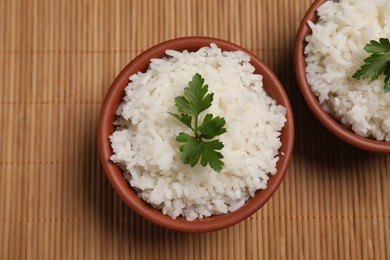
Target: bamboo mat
x=58 y=59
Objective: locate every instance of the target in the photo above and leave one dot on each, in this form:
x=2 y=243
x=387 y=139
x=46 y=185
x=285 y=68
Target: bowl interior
x=114 y=174
x=331 y=124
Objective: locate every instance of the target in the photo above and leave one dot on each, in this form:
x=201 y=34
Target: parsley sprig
x=199 y=146
x=376 y=64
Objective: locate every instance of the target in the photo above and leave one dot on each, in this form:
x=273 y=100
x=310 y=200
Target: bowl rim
x=127 y=193
x=300 y=71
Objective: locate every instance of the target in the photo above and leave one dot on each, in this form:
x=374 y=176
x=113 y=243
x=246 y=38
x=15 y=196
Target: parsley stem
x=197 y=135
x=196 y=124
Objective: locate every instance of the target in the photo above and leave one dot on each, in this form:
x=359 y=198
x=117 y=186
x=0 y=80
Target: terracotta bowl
x=331 y=124
x=114 y=173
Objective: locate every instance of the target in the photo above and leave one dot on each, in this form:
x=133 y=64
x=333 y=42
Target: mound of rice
x=144 y=143
x=335 y=52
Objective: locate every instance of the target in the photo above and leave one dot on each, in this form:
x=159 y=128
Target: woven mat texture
x=57 y=61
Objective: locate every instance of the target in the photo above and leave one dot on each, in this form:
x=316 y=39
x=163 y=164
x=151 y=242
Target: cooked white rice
x=335 y=52
x=144 y=144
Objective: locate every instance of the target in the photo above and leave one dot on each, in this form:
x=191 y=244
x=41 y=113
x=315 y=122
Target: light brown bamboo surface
x=58 y=59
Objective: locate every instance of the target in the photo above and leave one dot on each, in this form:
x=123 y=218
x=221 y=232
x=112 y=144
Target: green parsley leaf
x=185 y=119
x=387 y=84
x=378 y=47
x=211 y=156
x=195 y=148
x=191 y=150
x=195 y=99
x=376 y=64
x=212 y=127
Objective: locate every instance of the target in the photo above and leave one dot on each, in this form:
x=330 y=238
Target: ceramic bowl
x=128 y=194
x=331 y=124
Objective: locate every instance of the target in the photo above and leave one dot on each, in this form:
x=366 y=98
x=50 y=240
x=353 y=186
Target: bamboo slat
x=58 y=59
